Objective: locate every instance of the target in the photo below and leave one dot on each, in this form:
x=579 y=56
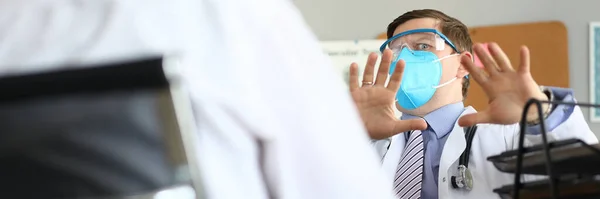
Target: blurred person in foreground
x=429 y=57
x=254 y=70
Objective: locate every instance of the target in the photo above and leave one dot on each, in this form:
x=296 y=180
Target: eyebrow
x=422 y=37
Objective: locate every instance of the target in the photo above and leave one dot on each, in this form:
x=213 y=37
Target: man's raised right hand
x=376 y=101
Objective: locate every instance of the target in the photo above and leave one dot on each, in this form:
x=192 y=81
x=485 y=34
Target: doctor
x=241 y=94
x=430 y=56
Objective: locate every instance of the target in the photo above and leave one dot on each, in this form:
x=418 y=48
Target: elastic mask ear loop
x=445 y=57
x=449 y=81
x=444 y=84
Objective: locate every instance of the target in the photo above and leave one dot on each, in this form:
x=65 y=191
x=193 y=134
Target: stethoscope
x=464 y=179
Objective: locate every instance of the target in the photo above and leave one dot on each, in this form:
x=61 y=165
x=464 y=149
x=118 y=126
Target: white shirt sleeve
x=255 y=72
x=278 y=86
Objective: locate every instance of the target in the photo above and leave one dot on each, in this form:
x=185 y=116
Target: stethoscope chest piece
x=463 y=180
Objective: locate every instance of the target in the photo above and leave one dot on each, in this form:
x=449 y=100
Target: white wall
x=361 y=19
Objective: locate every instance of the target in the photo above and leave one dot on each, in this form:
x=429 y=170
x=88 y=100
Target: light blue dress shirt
x=442 y=120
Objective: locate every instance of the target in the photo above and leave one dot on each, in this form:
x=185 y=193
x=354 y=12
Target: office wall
x=576 y=15
x=360 y=19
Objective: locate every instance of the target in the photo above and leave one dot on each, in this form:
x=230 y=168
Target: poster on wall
x=343 y=53
x=595 y=70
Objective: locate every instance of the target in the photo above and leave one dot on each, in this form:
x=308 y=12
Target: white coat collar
x=453 y=148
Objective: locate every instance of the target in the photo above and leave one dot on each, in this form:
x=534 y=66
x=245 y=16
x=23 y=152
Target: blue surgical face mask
x=421 y=78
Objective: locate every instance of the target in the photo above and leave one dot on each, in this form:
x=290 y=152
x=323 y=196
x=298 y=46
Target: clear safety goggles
x=418 y=40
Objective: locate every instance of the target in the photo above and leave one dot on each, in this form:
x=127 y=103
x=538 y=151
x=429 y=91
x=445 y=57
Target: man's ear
x=462 y=70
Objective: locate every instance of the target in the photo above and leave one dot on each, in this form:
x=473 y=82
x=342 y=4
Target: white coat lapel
x=392 y=158
x=455 y=145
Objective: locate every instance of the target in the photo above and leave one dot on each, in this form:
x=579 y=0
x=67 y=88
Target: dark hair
x=455 y=30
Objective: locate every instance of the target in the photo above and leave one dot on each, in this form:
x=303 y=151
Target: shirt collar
x=441 y=120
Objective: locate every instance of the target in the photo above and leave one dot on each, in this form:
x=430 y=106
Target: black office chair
x=122 y=130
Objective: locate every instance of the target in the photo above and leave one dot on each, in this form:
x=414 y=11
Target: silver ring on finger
x=367 y=83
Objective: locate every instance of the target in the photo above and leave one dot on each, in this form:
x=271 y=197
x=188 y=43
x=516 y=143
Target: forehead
x=420 y=23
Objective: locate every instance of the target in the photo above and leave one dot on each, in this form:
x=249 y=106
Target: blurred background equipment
x=119 y=130
x=570 y=167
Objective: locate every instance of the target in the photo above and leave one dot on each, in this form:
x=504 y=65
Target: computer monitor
x=114 y=130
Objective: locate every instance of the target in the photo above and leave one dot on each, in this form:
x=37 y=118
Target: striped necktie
x=409 y=174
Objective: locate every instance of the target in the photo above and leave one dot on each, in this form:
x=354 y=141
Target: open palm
x=376 y=101
x=506 y=88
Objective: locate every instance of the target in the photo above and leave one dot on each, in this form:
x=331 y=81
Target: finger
x=474 y=72
x=384 y=68
x=396 y=78
x=525 y=64
x=370 y=68
x=409 y=125
x=474 y=118
x=500 y=57
x=486 y=59
x=353 y=77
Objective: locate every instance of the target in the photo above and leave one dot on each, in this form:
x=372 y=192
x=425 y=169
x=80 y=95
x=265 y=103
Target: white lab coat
x=254 y=71
x=489 y=140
